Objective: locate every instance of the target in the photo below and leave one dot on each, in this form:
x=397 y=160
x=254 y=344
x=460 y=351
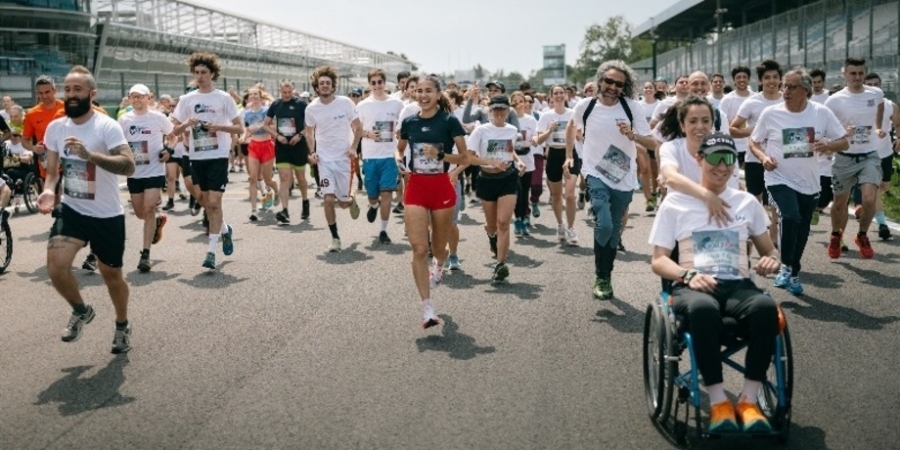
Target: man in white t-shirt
x=698 y=83
x=820 y=94
x=682 y=90
x=886 y=150
x=146 y=129
x=609 y=160
x=717 y=92
x=400 y=93
x=212 y=118
x=732 y=102
x=92 y=151
x=333 y=131
x=378 y=115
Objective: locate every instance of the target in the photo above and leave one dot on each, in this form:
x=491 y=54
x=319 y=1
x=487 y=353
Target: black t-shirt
x=289 y=117
x=4 y=128
x=439 y=130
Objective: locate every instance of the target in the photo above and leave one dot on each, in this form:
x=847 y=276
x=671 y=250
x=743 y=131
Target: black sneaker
x=283 y=216
x=383 y=238
x=398 y=209
x=210 y=261
x=372 y=213
x=90 y=263
x=304 y=213
x=884 y=233
x=122 y=340
x=621 y=246
x=76 y=324
x=501 y=271
x=144 y=263
x=169 y=205
x=493 y=242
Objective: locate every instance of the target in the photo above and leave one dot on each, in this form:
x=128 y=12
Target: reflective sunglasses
x=717 y=158
x=618 y=84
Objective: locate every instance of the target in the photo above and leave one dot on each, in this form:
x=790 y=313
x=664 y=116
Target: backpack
x=593 y=102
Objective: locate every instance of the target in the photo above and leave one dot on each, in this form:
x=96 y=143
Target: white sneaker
x=429 y=318
x=561 y=232
x=335 y=246
x=435 y=275
x=571 y=237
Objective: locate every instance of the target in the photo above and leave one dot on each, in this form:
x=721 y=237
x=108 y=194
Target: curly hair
x=323 y=71
x=210 y=60
x=628 y=90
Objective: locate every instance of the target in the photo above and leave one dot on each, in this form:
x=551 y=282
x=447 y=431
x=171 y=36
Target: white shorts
x=334 y=177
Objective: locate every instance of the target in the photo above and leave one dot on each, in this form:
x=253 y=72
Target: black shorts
x=887 y=168
x=555 y=159
x=105 y=236
x=826 y=195
x=651 y=153
x=295 y=155
x=244 y=148
x=754 y=177
x=186 y=166
x=210 y=174
x=490 y=189
x=139 y=185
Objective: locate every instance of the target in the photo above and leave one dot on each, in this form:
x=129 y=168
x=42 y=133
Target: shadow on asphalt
x=394 y=248
x=76 y=395
x=524 y=291
x=464 y=219
x=530 y=241
x=518 y=260
x=452 y=342
x=872 y=277
x=137 y=278
x=631 y=319
x=822 y=280
x=348 y=255
x=213 y=279
x=303 y=226
x=41 y=237
x=827 y=312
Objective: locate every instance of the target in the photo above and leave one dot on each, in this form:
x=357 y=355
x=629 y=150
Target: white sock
x=224 y=227
x=716 y=393
x=384 y=224
x=751 y=390
x=213 y=243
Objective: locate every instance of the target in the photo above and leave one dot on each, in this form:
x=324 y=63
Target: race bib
x=79 y=179
x=559 y=136
x=615 y=165
x=424 y=164
x=797 y=142
x=204 y=140
x=499 y=150
x=861 y=135
x=141 y=154
x=287 y=127
x=717 y=253
x=385 y=131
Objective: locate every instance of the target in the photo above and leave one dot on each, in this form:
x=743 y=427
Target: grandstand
x=796 y=33
x=147 y=41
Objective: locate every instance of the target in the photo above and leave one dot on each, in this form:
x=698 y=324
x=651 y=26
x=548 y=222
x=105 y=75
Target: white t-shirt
x=648 y=109
x=607 y=153
x=675 y=153
x=411 y=109
x=216 y=107
x=789 y=138
x=703 y=245
x=527 y=129
x=662 y=107
x=492 y=142
x=87 y=189
x=16 y=149
x=729 y=105
x=751 y=110
x=885 y=146
x=558 y=138
x=820 y=98
x=714 y=101
x=144 y=134
x=858 y=111
x=382 y=117
x=333 y=127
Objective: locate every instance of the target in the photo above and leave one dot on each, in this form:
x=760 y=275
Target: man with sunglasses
x=610 y=131
x=379 y=116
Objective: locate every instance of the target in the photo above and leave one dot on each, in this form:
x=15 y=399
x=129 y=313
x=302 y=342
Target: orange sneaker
x=834 y=245
x=857 y=212
x=721 y=418
x=865 y=247
x=752 y=418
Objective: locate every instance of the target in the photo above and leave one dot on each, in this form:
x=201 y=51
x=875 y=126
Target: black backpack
x=590 y=107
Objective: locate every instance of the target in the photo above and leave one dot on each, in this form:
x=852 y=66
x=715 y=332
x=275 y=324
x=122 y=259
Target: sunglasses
x=355 y=95
x=618 y=84
x=717 y=158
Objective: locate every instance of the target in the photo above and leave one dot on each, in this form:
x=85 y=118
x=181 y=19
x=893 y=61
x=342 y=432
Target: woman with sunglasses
x=794 y=132
x=552 y=130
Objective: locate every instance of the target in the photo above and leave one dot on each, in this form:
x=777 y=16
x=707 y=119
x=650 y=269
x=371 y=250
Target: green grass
x=892 y=197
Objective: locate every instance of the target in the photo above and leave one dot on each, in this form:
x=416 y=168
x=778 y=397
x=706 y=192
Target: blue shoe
x=453 y=263
x=227 y=241
x=518 y=226
x=795 y=287
x=535 y=210
x=783 y=278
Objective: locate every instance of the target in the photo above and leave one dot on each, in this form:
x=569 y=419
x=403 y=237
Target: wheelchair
x=667 y=343
x=25 y=189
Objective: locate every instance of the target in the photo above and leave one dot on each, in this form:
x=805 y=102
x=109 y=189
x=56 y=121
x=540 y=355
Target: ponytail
x=444 y=103
x=670 y=127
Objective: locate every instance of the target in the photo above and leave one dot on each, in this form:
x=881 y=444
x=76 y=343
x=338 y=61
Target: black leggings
x=524 y=194
x=795 y=211
x=757 y=318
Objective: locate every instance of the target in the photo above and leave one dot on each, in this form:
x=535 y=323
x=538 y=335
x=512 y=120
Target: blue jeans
x=610 y=206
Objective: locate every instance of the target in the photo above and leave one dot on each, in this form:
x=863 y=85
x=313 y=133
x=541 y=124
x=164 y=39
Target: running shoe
x=865 y=247
x=372 y=213
x=561 y=232
x=144 y=262
x=535 y=211
x=283 y=217
x=383 y=238
x=492 y=241
x=160 y=223
x=603 y=289
x=844 y=247
x=526 y=224
x=650 y=206
x=815 y=218
x=398 y=209
x=722 y=418
x=621 y=247
x=268 y=200
x=210 y=261
x=794 y=286
x=580 y=204
x=783 y=278
x=501 y=272
x=571 y=237
x=429 y=318
x=169 y=205
x=122 y=340
x=354 y=209
x=304 y=213
x=228 y=241
x=453 y=263
x=435 y=275
x=335 y=245
x=518 y=226
x=254 y=215
x=884 y=232
x=751 y=417
x=196 y=209
x=835 y=245
x=76 y=324
x=90 y=263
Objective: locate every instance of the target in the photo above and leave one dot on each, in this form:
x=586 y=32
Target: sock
x=334 y=232
x=879 y=217
x=384 y=224
x=373 y=206
x=284 y=210
x=751 y=388
x=121 y=326
x=224 y=227
x=213 y=242
x=717 y=395
x=145 y=252
x=80 y=309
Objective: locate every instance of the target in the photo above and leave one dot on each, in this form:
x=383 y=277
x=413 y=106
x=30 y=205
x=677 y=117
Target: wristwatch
x=440 y=156
x=689 y=276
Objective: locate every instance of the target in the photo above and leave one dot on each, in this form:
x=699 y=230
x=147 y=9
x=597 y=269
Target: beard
x=82 y=108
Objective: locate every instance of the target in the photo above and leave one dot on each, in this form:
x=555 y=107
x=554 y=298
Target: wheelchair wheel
x=659 y=373
x=778 y=412
x=31 y=191
x=6 y=246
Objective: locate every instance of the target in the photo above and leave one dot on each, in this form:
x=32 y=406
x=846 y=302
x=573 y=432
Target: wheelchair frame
x=663 y=349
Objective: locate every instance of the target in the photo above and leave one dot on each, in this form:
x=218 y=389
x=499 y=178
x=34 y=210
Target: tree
x=611 y=40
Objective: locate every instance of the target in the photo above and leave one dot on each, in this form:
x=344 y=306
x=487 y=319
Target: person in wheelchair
x=17 y=161
x=712 y=279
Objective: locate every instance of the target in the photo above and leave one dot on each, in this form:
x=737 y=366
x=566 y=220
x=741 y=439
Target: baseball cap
x=356 y=91
x=717 y=142
x=304 y=94
x=139 y=89
x=498 y=84
x=499 y=102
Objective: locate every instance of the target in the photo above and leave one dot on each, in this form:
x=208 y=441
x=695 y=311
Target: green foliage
x=611 y=40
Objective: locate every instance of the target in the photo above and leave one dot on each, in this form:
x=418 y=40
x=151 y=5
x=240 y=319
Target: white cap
x=139 y=89
x=304 y=94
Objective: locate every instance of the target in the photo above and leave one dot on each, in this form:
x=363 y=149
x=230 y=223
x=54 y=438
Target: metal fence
x=819 y=35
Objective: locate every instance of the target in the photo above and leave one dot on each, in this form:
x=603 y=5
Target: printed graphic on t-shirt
x=797 y=142
x=287 y=127
x=424 y=164
x=500 y=150
x=141 y=153
x=717 y=252
x=204 y=140
x=559 y=136
x=385 y=130
x=615 y=165
x=861 y=135
x=79 y=179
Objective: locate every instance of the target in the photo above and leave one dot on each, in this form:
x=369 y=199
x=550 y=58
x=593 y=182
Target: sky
x=507 y=34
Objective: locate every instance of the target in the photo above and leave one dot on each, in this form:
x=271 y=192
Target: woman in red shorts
x=431 y=135
x=260 y=152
